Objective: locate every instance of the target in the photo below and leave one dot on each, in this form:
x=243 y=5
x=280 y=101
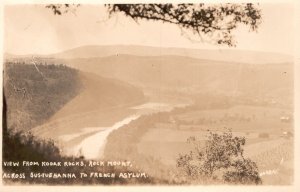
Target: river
x=92 y=147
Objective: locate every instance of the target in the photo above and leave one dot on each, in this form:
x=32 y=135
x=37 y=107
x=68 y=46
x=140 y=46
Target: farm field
x=269 y=138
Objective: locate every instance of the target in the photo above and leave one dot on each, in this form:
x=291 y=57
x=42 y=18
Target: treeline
x=34 y=92
x=19 y=147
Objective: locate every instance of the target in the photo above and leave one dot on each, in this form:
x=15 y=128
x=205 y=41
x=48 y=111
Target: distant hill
x=193 y=75
x=34 y=95
x=240 y=56
x=229 y=72
x=101 y=94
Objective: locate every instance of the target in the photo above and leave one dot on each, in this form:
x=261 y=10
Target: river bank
x=89 y=142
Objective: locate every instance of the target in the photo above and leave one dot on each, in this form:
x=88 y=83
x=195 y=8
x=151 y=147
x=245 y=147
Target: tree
x=219 y=159
x=213 y=23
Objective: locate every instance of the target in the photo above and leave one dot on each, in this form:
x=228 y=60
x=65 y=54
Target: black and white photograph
x=149 y=94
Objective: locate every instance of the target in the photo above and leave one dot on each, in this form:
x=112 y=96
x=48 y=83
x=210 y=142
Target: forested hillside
x=35 y=92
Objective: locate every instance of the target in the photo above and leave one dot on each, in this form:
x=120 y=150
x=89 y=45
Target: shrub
x=220 y=159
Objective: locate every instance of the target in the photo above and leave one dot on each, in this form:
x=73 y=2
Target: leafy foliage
x=19 y=147
x=214 y=23
x=220 y=158
x=59 y=9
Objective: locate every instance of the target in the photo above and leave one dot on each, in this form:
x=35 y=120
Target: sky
x=33 y=29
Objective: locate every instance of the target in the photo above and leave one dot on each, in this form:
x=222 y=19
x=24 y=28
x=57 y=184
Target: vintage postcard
x=149 y=94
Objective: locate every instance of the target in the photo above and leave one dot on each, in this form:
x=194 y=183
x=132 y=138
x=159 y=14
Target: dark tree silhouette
x=59 y=9
x=221 y=158
x=212 y=22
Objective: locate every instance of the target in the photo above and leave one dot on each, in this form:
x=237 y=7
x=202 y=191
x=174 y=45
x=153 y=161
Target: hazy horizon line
x=149 y=46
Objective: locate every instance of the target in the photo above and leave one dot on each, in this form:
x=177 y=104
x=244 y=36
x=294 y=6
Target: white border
x=294 y=187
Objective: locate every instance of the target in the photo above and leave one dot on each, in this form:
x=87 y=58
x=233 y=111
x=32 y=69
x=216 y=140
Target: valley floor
x=269 y=140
